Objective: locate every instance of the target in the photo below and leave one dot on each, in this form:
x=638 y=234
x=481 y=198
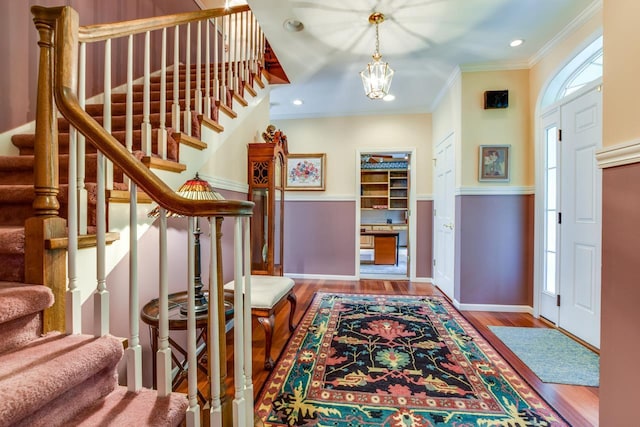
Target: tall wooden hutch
x=266 y=170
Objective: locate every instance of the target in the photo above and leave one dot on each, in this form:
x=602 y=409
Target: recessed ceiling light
x=297 y=102
x=516 y=42
x=389 y=97
x=293 y=25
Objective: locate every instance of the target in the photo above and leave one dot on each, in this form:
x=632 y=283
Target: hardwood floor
x=577 y=404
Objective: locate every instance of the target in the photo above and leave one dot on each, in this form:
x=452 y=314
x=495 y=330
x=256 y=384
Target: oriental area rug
x=387 y=360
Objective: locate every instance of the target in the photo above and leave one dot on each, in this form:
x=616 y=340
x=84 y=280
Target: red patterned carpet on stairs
x=386 y=360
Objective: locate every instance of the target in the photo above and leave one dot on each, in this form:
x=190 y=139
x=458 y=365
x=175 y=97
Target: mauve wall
x=494 y=249
x=424 y=237
x=319 y=237
x=620 y=322
x=18 y=47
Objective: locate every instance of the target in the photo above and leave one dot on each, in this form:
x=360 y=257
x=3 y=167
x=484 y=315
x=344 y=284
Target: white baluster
x=193 y=412
x=187 y=86
x=198 y=95
x=133 y=353
x=129 y=97
x=82 y=190
x=74 y=302
x=243 y=48
x=106 y=111
x=207 y=72
x=216 y=62
x=239 y=403
x=101 y=297
x=146 y=97
x=175 y=107
x=163 y=355
x=228 y=61
x=215 y=413
x=162 y=131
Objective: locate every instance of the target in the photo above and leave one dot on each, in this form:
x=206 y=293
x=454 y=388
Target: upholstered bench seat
x=267 y=296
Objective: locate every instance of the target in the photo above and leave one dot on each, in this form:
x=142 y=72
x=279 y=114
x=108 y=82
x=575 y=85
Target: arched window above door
x=585 y=67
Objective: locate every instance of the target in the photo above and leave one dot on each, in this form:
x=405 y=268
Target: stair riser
x=19 y=332
x=11 y=269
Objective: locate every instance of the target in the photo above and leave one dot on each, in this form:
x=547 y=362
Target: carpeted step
x=12 y=253
x=21 y=308
x=144 y=408
x=25 y=142
x=50 y=368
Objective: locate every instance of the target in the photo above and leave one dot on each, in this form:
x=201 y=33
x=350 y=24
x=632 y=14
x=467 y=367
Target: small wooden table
x=385 y=246
x=178 y=322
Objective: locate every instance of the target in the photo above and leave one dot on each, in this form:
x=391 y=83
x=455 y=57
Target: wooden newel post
x=45 y=266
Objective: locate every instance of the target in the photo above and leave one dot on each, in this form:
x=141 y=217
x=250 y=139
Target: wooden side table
x=178 y=322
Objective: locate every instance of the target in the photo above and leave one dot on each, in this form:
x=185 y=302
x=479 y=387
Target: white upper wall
x=340 y=137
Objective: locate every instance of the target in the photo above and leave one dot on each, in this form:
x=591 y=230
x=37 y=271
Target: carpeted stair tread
x=35 y=374
x=20 y=299
x=11 y=240
x=144 y=408
x=25 y=142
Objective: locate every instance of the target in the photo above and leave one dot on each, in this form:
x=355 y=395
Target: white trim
x=584 y=16
x=296 y=197
x=226 y=184
x=493 y=307
x=495 y=191
x=424 y=197
x=618 y=155
x=448 y=84
x=413 y=204
x=422 y=280
x=495 y=66
x=321 y=277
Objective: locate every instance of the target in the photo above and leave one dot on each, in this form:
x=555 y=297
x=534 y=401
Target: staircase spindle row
x=233 y=38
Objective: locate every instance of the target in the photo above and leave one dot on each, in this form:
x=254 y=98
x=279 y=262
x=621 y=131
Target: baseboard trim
x=321 y=277
x=493 y=307
x=422 y=280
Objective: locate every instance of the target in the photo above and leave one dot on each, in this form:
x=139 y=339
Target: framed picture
x=305 y=171
x=494 y=163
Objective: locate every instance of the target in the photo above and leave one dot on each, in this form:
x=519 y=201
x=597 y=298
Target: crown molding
x=449 y=83
x=496 y=66
x=584 y=16
x=618 y=155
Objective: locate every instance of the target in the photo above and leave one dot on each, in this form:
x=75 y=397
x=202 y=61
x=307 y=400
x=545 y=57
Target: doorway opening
x=384 y=243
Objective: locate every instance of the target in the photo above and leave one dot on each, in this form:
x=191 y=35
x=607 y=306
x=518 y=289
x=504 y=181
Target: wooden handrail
x=66 y=62
x=97 y=32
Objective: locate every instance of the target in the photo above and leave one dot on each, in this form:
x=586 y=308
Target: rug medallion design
x=385 y=360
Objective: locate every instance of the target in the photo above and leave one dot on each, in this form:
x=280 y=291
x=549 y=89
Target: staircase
x=52 y=375
x=57 y=379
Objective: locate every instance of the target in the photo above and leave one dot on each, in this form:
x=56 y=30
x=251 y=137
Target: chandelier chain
x=377 y=41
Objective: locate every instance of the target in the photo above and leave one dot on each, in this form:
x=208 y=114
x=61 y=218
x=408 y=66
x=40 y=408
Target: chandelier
x=377 y=75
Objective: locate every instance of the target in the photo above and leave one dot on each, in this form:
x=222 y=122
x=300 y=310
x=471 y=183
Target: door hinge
x=559 y=217
x=558 y=300
x=434 y=262
x=559 y=134
x=434 y=212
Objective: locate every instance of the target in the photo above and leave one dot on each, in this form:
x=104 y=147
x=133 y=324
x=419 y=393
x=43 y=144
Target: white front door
x=444 y=216
x=581 y=212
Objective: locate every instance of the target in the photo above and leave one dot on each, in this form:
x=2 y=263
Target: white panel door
x=444 y=218
x=581 y=209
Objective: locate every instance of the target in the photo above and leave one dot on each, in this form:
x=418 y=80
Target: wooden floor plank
x=577 y=404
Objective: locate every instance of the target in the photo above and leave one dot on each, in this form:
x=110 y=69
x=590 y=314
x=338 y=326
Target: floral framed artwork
x=494 y=163
x=305 y=171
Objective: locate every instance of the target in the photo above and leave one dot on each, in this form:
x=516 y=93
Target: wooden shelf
x=384 y=189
